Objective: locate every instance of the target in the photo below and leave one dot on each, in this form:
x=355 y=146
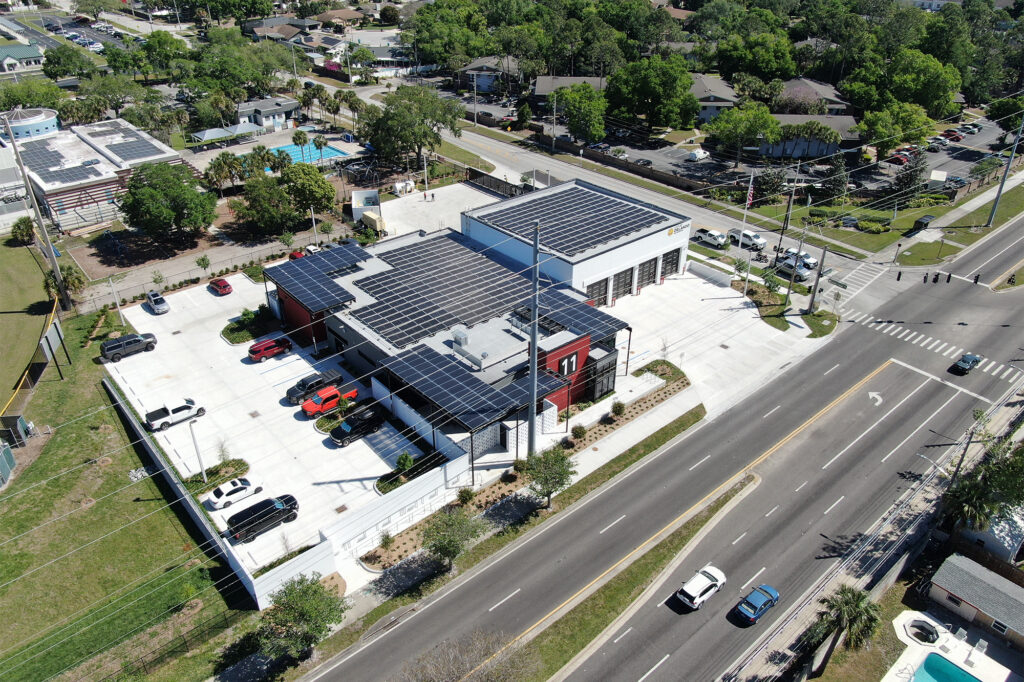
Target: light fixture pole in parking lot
x=1006 y=172
x=195 y=444
x=531 y=424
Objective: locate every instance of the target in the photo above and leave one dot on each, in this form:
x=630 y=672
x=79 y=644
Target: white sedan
x=224 y=495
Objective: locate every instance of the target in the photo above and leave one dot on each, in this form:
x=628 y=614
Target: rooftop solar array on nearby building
x=437 y=284
x=577 y=316
x=519 y=390
x=51 y=166
x=310 y=280
x=572 y=219
x=124 y=141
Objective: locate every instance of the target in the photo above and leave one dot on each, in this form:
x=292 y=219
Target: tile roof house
x=981 y=597
x=812 y=90
x=20 y=58
x=713 y=94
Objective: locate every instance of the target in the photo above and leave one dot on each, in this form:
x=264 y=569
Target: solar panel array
x=132 y=146
x=577 y=316
x=46 y=163
x=572 y=220
x=450 y=386
x=310 y=280
x=423 y=295
x=519 y=390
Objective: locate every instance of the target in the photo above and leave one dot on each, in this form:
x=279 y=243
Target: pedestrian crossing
x=1001 y=370
x=856 y=281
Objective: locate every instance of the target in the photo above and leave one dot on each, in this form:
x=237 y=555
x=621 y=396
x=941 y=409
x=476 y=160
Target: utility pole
x=110 y=281
x=51 y=256
x=531 y=424
x=817 y=279
x=746 y=280
x=312 y=219
x=426 y=180
x=749 y=197
x=796 y=264
x=474 y=100
x=554 y=118
x=195 y=444
x=785 y=223
x=1006 y=172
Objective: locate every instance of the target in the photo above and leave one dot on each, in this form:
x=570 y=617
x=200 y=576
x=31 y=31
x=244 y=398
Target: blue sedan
x=757 y=603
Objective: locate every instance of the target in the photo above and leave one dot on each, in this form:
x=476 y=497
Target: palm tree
x=292 y=85
x=74 y=280
x=851 y=611
x=300 y=139
x=354 y=104
x=333 y=106
x=306 y=99
x=280 y=161
x=320 y=142
x=261 y=154
x=216 y=174
x=971 y=503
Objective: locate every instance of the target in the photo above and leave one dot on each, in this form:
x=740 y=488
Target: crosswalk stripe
x=1014 y=377
x=925 y=342
x=935 y=343
x=949 y=351
x=939 y=349
x=866 y=320
x=988 y=366
x=905 y=332
x=885 y=328
x=1008 y=370
x=895 y=330
x=915 y=338
x=995 y=372
x=858 y=316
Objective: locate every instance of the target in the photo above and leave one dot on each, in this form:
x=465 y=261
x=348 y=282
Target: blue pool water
x=310 y=151
x=936 y=668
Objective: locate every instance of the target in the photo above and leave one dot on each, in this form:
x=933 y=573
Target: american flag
x=750 y=190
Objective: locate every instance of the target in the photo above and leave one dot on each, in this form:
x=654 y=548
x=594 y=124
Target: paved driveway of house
x=248 y=416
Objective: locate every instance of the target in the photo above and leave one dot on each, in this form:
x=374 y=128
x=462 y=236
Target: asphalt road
x=30 y=31
x=839 y=454
x=994 y=263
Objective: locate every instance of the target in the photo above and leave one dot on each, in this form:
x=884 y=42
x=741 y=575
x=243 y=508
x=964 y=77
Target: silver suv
x=129 y=344
x=787 y=266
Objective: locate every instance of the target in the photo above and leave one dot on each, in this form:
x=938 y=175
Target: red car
x=259 y=352
x=952 y=136
x=328 y=399
x=295 y=255
x=899 y=159
x=220 y=286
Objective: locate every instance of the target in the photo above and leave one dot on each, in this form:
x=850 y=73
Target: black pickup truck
x=308 y=386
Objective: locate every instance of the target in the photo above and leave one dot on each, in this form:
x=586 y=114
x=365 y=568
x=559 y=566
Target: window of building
x=953 y=600
x=999 y=627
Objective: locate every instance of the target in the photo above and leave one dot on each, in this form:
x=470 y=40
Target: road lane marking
x=505 y=599
x=648 y=673
x=771 y=511
x=752 y=578
x=739 y=538
x=801 y=486
x=611 y=524
x=830 y=369
x=978 y=269
x=616 y=640
x=941 y=381
x=921 y=426
x=834 y=504
x=877 y=422
x=697 y=505
x=772 y=410
x=706 y=458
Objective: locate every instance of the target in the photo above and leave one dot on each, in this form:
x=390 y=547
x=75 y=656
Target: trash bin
x=922 y=222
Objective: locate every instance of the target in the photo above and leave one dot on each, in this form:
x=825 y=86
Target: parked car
x=129 y=344
x=757 y=603
x=748 y=239
x=294 y=255
x=163 y=418
x=221 y=286
x=788 y=266
x=898 y=159
x=965 y=364
x=701 y=587
x=933 y=147
x=251 y=522
x=309 y=385
x=602 y=147
x=157 y=304
x=311 y=249
x=644 y=163
x=357 y=425
x=806 y=259
x=329 y=399
x=226 y=494
x=939 y=140
x=709 y=236
x=697 y=155
x=259 y=352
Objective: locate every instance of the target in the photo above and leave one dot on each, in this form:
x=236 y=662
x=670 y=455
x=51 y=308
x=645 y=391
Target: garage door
x=598 y=292
x=623 y=284
x=670 y=263
x=646 y=272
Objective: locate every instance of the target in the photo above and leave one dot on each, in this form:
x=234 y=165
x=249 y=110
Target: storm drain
x=254 y=414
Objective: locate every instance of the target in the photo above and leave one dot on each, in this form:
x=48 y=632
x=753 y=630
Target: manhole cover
x=722 y=345
x=254 y=414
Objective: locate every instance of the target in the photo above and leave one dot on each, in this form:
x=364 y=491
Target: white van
x=709 y=236
x=747 y=239
x=697 y=155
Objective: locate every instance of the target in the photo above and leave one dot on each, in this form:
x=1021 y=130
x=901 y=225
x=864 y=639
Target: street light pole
x=195 y=444
x=531 y=424
x=1006 y=172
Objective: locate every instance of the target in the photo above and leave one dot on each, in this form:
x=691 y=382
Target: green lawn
x=177 y=141
x=968 y=230
x=927 y=253
x=821 y=323
x=464 y=156
x=25 y=307
x=89 y=558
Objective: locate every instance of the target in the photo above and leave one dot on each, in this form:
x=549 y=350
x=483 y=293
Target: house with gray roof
x=713 y=94
x=269 y=112
x=20 y=58
x=487 y=73
x=1003 y=538
x=981 y=597
x=545 y=85
x=810 y=90
x=803 y=147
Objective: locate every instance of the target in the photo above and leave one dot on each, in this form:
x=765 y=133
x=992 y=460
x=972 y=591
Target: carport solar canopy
x=310 y=280
x=519 y=390
x=572 y=220
x=577 y=316
x=450 y=386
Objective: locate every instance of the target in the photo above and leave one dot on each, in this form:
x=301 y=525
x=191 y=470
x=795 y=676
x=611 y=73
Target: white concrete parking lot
x=248 y=416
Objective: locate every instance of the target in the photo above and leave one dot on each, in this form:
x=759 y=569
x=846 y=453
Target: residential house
x=20 y=58
x=269 y=112
x=487 y=72
x=818 y=45
x=342 y=17
x=1004 y=537
x=810 y=90
x=278 y=28
x=713 y=94
x=545 y=85
x=801 y=147
x=981 y=597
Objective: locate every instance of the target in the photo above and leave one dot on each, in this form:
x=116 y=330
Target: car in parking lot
x=645 y=163
x=221 y=286
x=757 y=603
x=226 y=494
x=329 y=399
x=806 y=259
x=600 y=147
x=939 y=140
x=701 y=587
x=898 y=159
x=251 y=522
x=129 y=344
x=157 y=304
x=294 y=255
x=697 y=155
x=356 y=425
x=261 y=351
x=965 y=364
x=955 y=182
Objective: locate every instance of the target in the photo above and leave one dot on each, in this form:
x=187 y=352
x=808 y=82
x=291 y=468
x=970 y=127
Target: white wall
x=550 y=266
x=318 y=559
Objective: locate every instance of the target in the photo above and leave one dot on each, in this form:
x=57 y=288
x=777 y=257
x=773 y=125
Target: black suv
x=357 y=425
x=250 y=523
x=311 y=384
x=129 y=344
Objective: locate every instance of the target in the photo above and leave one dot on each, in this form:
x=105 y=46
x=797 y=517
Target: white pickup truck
x=164 y=417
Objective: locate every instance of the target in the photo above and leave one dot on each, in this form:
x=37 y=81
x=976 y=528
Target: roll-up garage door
x=623 y=284
x=598 y=292
x=646 y=272
x=670 y=263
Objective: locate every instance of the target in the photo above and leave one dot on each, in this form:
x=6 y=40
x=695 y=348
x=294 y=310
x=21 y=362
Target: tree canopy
x=64 y=60
x=410 y=122
x=584 y=109
x=745 y=125
x=164 y=201
x=302 y=615
x=656 y=89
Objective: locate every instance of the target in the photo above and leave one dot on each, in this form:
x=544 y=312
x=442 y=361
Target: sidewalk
x=934 y=231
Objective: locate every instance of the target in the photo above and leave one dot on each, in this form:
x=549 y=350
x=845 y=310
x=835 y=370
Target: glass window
x=1001 y=628
x=953 y=600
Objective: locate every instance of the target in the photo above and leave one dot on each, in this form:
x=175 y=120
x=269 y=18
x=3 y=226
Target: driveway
x=247 y=416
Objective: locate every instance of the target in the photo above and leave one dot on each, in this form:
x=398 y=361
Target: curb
x=656 y=585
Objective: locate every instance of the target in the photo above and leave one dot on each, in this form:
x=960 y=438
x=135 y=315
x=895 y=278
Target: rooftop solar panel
x=572 y=220
x=519 y=390
x=310 y=280
x=577 y=316
x=450 y=386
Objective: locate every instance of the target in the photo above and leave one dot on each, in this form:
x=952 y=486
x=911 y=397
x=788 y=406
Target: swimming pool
x=311 y=153
x=936 y=668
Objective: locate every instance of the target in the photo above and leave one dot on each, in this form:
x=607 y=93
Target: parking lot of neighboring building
x=248 y=417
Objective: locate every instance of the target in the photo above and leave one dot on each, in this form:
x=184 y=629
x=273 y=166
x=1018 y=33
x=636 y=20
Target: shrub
x=579 y=432
x=872 y=227
x=519 y=465
x=124 y=301
x=825 y=212
x=234 y=268
x=466 y=495
x=404 y=462
x=618 y=408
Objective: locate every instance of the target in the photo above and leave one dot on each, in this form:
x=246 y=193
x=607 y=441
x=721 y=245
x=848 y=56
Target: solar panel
x=572 y=220
x=310 y=280
x=577 y=316
x=450 y=386
x=132 y=150
x=519 y=390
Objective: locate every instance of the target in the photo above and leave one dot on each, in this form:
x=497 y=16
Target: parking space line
x=835 y=503
x=518 y=590
x=611 y=524
x=752 y=578
x=648 y=673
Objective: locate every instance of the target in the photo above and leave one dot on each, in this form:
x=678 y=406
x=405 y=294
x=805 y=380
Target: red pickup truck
x=328 y=400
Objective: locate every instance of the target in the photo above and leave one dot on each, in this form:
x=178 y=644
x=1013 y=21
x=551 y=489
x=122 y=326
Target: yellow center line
x=768 y=453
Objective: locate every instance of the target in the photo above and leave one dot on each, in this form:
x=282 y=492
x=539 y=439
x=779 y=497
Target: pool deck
x=271 y=140
x=989 y=662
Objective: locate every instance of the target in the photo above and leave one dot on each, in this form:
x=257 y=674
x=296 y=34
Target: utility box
x=374 y=222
